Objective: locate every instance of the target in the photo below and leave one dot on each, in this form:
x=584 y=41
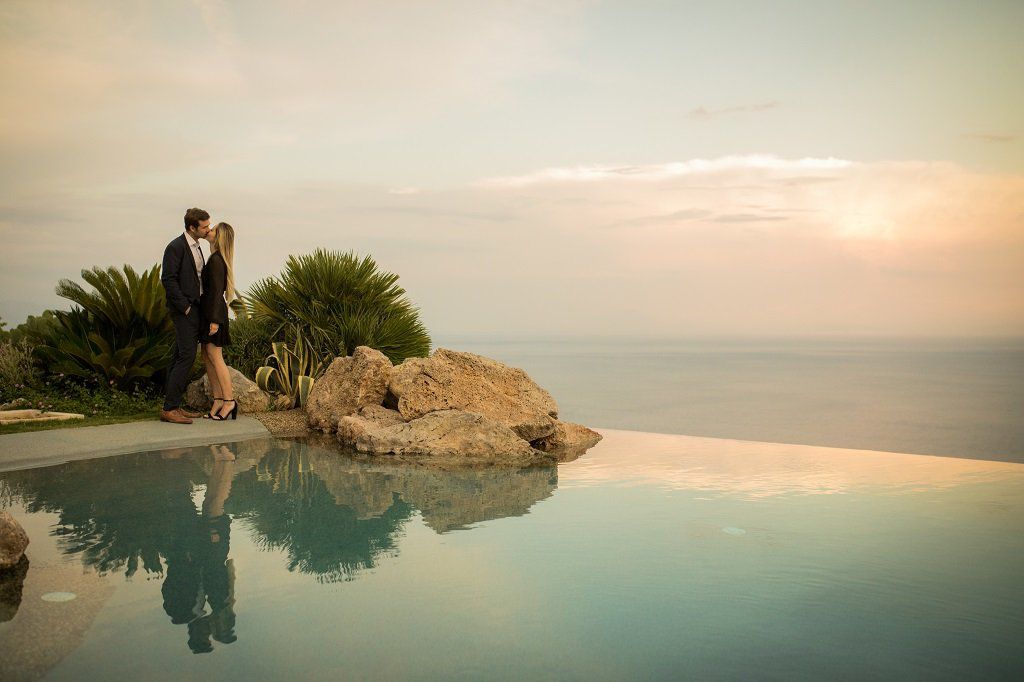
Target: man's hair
x=194 y=216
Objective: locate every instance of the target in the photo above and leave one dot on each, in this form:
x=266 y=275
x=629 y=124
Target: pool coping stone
x=56 y=446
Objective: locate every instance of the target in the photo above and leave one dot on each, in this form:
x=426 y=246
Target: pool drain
x=59 y=596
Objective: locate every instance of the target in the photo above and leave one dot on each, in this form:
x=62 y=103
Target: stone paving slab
x=55 y=446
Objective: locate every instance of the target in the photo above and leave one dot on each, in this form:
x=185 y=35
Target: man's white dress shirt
x=197 y=256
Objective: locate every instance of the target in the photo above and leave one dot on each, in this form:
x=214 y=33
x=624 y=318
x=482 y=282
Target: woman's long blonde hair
x=224 y=244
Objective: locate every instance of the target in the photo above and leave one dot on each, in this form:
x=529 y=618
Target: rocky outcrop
x=451 y=434
x=13 y=540
x=349 y=383
x=457 y=380
x=250 y=397
x=452 y=408
x=366 y=419
x=568 y=439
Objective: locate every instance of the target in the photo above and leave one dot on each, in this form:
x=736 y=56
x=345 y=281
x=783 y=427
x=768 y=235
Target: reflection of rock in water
x=334 y=516
x=447 y=499
x=12 y=581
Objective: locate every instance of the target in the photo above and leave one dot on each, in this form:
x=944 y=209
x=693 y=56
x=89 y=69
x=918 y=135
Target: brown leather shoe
x=189 y=413
x=174 y=417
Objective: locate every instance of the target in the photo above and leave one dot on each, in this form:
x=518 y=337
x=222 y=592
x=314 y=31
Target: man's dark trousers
x=186 y=339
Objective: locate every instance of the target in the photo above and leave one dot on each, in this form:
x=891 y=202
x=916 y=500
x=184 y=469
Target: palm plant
x=339 y=302
x=120 y=331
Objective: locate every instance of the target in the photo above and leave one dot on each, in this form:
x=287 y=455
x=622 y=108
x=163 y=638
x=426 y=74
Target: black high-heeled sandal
x=233 y=414
x=209 y=415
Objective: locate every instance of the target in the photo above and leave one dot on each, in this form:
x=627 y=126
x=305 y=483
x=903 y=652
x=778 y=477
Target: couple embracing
x=198 y=291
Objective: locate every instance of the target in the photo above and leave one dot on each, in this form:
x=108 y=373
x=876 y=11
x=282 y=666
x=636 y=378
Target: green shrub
x=339 y=302
x=91 y=397
x=35 y=327
x=250 y=341
x=119 y=332
x=17 y=370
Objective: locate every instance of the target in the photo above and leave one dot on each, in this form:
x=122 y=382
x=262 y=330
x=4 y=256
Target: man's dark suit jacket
x=178 y=274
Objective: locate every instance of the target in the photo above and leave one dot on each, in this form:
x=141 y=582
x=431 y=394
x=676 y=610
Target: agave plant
x=120 y=331
x=339 y=302
x=290 y=372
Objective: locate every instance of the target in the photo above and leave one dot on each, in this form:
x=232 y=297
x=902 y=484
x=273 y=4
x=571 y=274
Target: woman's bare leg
x=223 y=378
x=211 y=376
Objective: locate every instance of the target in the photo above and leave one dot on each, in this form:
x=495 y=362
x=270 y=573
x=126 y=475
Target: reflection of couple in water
x=199 y=573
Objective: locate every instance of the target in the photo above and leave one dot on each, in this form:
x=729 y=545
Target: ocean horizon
x=946 y=396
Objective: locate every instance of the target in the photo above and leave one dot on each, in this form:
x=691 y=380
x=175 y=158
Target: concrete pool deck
x=55 y=446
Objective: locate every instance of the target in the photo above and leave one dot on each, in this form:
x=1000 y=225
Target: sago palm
x=338 y=302
x=120 y=331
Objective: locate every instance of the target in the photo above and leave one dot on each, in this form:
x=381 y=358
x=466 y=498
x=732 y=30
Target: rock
x=569 y=441
x=451 y=436
x=13 y=540
x=250 y=397
x=568 y=435
x=458 y=380
x=365 y=419
x=17 y=404
x=349 y=383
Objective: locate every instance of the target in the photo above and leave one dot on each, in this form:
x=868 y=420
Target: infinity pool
x=652 y=556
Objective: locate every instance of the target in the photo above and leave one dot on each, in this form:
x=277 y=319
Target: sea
x=956 y=397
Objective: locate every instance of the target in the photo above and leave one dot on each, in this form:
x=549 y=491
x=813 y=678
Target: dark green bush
x=338 y=302
x=91 y=397
x=251 y=341
x=17 y=369
x=119 y=332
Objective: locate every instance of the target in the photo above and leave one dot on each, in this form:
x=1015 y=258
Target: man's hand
x=214 y=327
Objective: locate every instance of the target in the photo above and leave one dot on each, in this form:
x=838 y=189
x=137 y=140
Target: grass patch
x=98 y=420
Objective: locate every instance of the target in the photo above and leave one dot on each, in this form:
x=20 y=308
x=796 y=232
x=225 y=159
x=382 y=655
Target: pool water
x=652 y=556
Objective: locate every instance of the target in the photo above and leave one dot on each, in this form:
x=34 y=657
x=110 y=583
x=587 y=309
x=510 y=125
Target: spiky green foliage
x=119 y=331
x=339 y=301
x=290 y=372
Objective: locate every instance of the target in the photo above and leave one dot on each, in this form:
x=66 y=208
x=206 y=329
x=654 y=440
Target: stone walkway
x=43 y=448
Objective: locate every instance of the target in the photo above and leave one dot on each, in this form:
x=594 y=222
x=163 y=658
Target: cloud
x=664 y=171
x=882 y=247
x=703 y=114
x=990 y=137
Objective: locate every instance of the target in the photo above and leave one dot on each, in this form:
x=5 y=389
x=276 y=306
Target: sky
x=538 y=168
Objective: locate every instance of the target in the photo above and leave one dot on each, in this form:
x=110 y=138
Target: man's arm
x=169 y=272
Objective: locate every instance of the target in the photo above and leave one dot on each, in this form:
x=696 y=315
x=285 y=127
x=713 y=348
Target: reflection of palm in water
x=290 y=509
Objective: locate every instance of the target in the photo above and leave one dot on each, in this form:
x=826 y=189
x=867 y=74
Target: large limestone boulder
x=365 y=419
x=250 y=397
x=456 y=380
x=13 y=540
x=568 y=440
x=450 y=436
x=348 y=384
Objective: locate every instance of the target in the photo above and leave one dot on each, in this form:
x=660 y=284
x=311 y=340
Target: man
x=181 y=274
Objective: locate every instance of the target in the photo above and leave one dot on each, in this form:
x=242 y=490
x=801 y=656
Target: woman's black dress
x=212 y=305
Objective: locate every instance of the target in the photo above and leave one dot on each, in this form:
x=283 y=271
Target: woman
x=218 y=289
